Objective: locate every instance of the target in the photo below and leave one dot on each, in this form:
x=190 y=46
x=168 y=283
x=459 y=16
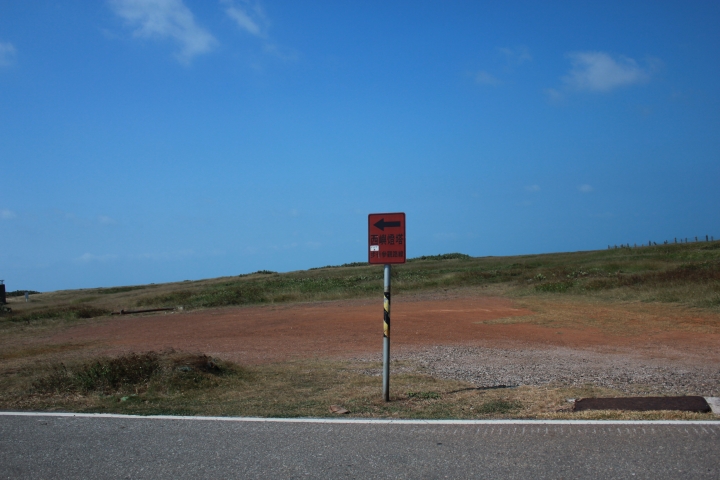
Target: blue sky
x=164 y=140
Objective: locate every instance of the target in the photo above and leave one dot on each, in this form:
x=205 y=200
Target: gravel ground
x=632 y=375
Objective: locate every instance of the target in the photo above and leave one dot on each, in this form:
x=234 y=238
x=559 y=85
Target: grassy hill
x=563 y=290
x=688 y=274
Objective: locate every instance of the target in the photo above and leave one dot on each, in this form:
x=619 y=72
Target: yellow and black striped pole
x=386 y=336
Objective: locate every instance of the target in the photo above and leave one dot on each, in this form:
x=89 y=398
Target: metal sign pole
x=386 y=337
x=387 y=244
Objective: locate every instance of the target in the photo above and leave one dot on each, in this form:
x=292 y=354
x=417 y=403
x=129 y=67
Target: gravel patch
x=561 y=367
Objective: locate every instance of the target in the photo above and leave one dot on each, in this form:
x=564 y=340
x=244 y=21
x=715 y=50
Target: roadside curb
x=376 y=421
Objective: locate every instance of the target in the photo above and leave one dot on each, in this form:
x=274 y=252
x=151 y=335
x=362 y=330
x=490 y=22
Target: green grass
x=64 y=312
x=576 y=273
x=687 y=274
x=146 y=372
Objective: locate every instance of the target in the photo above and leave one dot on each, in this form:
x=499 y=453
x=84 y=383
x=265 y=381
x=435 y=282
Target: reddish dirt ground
x=354 y=328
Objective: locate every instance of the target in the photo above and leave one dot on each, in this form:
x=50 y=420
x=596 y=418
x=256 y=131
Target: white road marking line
x=366 y=420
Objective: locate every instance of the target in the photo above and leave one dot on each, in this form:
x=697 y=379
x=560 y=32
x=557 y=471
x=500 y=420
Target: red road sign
x=386 y=238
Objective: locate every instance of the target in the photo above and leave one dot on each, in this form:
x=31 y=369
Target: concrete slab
x=644 y=404
x=714 y=403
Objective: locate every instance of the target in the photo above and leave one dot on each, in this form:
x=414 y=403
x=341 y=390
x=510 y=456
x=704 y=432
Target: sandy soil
x=353 y=329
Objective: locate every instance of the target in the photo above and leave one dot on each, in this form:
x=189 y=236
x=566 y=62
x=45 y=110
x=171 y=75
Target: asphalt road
x=96 y=447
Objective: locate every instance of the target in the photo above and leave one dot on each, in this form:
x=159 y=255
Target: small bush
x=20 y=293
x=443 y=256
x=58 y=381
x=70 y=312
x=200 y=363
x=111 y=290
x=165 y=372
x=554 y=287
x=113 y=374
x=106 y=375
x=599 y=284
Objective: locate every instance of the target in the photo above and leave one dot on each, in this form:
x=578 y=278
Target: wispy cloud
x=599 y=72
x=585 y=188
x=173 y=255
x=7 y=54
x=484 y=78
x=84 y=222
x=510 y=59
x=6 y=214
x=166 y=19
x=283 y=53
x=249 y=17
x=554 y=96
x=89 y=257
x=516 y=56
x=533 y=188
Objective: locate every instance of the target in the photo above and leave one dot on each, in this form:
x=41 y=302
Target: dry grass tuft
x=194 y=384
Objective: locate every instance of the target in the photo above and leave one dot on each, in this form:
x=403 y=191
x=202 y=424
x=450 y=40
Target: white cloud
x=7 y=54
x=554 y=96
x=599 y=72
x=585 y=188
x=250 y=18
x=105 y=220
x=485 y=78
x=533 y=188
x=166 y=19
x=7 y=214
x=516 y=56
x=89 y=257
x=283 y=53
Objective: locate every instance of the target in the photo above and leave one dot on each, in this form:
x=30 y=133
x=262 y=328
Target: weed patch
x=106 y=375
x=423 y=395
x=111 y=290
x=498 y=406
x=554 y=287
x=164 y=374
x=173 y=383
x=67 y=313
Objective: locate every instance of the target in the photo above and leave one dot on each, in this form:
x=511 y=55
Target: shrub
x=554 y=287
x=106 y=375
x=70 y=312
x=443 y=256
